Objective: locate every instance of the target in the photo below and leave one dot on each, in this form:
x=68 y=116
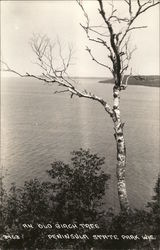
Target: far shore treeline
x=145 y=80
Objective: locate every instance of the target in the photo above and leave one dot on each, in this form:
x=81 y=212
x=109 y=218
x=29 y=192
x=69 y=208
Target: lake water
x=39 y=127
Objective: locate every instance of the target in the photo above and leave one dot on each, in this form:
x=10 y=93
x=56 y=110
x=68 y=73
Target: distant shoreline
x=143 y=80
x=148 y=81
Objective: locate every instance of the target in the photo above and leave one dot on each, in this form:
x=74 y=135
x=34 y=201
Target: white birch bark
x=121 y=153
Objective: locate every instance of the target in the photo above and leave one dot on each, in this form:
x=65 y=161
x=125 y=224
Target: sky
x=20 y=19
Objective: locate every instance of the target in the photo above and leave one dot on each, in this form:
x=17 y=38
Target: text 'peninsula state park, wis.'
x=80 y=125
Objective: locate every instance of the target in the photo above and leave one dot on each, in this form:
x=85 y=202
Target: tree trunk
x=121 y=153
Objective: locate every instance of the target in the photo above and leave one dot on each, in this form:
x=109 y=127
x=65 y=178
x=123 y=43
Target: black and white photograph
x=80 y=142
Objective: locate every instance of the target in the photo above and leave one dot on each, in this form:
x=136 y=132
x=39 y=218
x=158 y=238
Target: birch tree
x=114 y=35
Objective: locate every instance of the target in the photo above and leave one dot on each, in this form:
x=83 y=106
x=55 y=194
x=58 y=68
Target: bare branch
x=141 y=9
x=97 y=32
x=138 y=27
x=120 y=57
x=62 y=82
x=124 y=84
x=118 y=19
x=86 y=29
x=127 y=54
x=61 y=91
x=84 y=12
x=94 y=59
x=149 y=7
x=43 y=48
x=138 y=1
x=129 y=2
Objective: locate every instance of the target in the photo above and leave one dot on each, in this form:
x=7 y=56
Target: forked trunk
x=121 y=154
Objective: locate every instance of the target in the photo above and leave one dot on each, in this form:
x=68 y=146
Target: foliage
x=79 y=187
x=154 y=206
x=74 y=195
x=138 y=222
x=25 y=205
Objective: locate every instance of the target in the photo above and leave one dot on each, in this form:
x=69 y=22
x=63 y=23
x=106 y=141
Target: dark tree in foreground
x=79 y=187
x=142 y=223
x=113 y=34
x=154 y=206
x=73 y=195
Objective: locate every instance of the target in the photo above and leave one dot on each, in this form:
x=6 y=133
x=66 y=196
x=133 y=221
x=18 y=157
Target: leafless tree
x=114 y=35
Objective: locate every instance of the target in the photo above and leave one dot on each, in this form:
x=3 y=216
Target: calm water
x=39 y=127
